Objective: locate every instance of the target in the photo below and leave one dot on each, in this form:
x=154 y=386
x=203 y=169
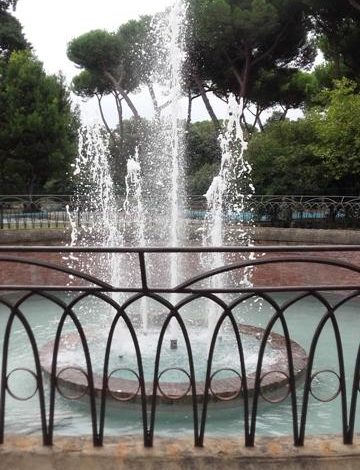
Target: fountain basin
x=72 y=381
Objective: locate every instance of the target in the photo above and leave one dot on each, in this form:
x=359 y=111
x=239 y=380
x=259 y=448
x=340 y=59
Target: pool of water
x=72 y=417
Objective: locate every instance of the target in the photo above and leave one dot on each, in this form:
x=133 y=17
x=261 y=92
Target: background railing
x=292 y=211
x=263 y=296
x=19 y=212
x=49 y=211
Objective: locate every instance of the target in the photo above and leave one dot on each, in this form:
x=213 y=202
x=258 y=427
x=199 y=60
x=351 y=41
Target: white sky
x=49 y=25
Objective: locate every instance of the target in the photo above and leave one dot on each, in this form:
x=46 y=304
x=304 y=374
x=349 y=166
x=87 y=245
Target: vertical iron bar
x=355 y=392
x=1 y=215
x=143 y=271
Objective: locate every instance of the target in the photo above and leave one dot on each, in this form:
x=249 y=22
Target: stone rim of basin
x=72 y=381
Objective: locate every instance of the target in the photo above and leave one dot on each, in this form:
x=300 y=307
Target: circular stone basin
x=225 y=384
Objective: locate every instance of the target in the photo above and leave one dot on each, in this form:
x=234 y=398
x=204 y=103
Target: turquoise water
x=73 y=417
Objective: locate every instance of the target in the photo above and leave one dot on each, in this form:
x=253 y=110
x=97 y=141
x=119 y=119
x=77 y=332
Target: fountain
x=153 y=213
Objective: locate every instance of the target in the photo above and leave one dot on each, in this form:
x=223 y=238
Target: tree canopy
x=37 y=126
x=318 y=154
x=235 y=44
x=260 y=51
x=337 y=127
x=11 y=35
x=116 y=62
x=6 y=4
x=336 y=24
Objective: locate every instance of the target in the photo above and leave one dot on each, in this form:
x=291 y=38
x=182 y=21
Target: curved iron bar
x=131 y=395
x=64 y=199
x=356 y=380
x=11 y=393
x=274 y=400
x=315 y=376
x=330 y=314
x=226 y=314
x=68 y=312
x=60 y=303
x=173 y=397
x=174 y=314
x=63 y=394
x=278 y=315
x=291 y=377
x=307 y=385
x=190 y=298
x=16 y=313
x=235 y=394
x=150 y=432
x=120 y=313
x=346 y=298
x=3 y=380
x=55 y=267
x=259 y=262
x=354 y=397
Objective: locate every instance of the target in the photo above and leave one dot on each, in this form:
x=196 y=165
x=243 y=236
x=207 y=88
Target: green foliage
x=203 y=156
x=6 y=4
x=199 y=181
x=336 y=24
x=123 y=58
x=289 y=88
x=322 y=77
x=37 y=126
x=202 y=152
x=235 y=41
x=283 y=160
x=140 y=46
x=11 y=35
x=319 y=154
x=88 y=84
x=136 y=134
x=96 y=51
x=337 y=128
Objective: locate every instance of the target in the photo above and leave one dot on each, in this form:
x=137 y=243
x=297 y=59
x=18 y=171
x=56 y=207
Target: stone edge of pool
x=265 y=234
x=226 y=389
x=325 y=452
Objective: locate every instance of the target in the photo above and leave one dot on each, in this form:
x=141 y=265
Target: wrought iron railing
x=256 y=292
x=289 y=210
x=40 y=211
x=49 y=211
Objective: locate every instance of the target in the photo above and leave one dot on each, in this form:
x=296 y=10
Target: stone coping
x=278 y=453
x=264 y=234
x=36 y=236
x=274 y=377
x=307 y=236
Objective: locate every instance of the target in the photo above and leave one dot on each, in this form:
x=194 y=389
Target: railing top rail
x=318 y=196
x=188 y=249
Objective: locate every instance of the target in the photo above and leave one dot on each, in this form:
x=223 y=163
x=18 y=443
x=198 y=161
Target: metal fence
x=49 y=211
x=291 y=211
x=278 y=278
x=19 y=212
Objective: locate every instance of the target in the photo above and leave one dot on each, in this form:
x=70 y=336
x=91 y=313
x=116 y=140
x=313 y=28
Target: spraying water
x=134 y=205
x=96 y=210
x=225 y=197
x=226 y=194
x=153 y=209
